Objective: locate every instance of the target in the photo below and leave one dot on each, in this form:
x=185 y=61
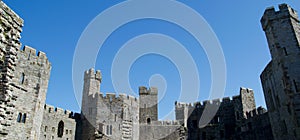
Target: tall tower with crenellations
x=281 y=77
x=148 y=104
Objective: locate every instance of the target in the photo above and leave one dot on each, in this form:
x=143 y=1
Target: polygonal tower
x=281 y=78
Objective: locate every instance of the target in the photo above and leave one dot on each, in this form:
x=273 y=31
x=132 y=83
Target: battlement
x=7 y=12
x=285 y=11
x=256 y=112
x=245 y=90
x=225 y=100
x=30 y=53
x=151 y=91
x=166 y=123
x=91 y=74
x=113 y=97
x=58 y=111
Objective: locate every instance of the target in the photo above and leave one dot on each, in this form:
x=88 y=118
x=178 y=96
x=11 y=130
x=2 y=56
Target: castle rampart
x=58 y=124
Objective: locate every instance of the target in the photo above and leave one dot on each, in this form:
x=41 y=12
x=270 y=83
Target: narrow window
x=45 y=136
x=22 y=78
x=24 y=118
x=110 y=130
x=46 y=128
x=285 y=52
x=19 y=117
x=70 y=132
x=296 y=87
x=107 y=130
x=66 y=131
x=60 y=130
x=148 y=120
x=115 y=117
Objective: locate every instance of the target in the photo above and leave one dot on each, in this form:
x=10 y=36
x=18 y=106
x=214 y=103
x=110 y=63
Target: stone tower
x=281 y=77
x=91 y=89
x=247 y=100
x=24 y=81
x=148 y=104
x=10 y=34
x=30 y=86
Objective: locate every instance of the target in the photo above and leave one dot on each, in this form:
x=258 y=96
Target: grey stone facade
x=25 y=75
x=235 y=119
x=281 y=77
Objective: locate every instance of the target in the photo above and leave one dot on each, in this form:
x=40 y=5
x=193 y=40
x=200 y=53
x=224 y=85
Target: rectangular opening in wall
x=277 y=101
x=295 y=85
x=285 y=52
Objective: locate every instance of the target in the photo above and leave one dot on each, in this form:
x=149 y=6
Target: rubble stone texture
x=24 y=77
x=281 y=78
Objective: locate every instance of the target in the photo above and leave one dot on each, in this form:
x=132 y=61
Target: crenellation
x=49 y=109
x=29 y=50
x=121 y=116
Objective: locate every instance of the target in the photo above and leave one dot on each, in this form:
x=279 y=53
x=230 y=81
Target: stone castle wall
x=50 y=125
x=30 y=84
x=227 y=123
x=24 y=76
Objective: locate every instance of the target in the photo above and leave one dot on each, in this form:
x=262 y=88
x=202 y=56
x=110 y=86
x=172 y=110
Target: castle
x=25 y=115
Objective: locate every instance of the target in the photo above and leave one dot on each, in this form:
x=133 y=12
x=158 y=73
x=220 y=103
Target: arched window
x=148 y=120
x=60 y=130
x=19 y=117
x=24 y=118
x=22 y=78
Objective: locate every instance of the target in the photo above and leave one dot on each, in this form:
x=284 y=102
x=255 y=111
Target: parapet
x=246 y=90
x=166 y=123
x=30 y=54
x=113 y=97
x=151 y=91
x=256 y=112
x=58 y=111
x=91 y=74
x=285 y=11
x=225 y=100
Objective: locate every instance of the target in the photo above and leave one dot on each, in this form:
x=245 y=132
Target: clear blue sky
x=55 y=26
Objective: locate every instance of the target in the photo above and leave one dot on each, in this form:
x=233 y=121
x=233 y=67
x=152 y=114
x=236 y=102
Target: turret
x=282 y=31
x=92 y=81
x=148 y=104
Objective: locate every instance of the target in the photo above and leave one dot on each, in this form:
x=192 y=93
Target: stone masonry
x=24 y=77
x=281 y=77
x=235 y=118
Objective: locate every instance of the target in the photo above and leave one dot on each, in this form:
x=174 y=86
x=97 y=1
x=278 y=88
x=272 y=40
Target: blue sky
x=55 y=27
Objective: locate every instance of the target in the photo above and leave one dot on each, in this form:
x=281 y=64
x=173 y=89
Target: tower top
x=151 y=91
x=285 y=11
x=91 y=74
